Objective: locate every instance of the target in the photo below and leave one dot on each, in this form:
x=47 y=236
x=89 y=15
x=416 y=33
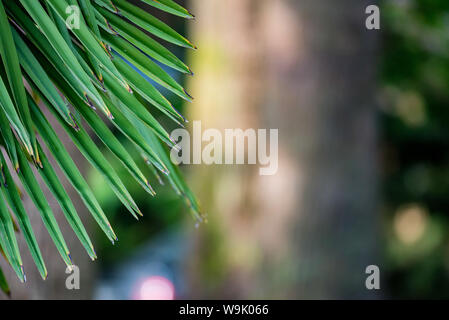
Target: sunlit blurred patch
x=411 y=109
x=410 y=223
x=155 y=288
x=407 y=105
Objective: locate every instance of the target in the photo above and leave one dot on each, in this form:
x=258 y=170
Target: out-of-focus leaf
x=4 y=284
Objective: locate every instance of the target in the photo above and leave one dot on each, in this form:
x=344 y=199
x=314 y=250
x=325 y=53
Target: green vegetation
x=415 y=143
x=95 y=72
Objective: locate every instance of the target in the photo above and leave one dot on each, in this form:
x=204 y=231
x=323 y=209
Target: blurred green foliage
x=161 y=212
x=415 y=146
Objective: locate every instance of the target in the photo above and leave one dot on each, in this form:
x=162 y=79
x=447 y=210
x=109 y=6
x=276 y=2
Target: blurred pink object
x=155 y=288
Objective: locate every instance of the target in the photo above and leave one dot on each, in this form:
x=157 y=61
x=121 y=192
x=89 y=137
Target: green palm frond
x=106 y=64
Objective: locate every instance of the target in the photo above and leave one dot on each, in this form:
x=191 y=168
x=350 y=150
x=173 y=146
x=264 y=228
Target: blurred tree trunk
x=336 y=82
x=55 y=285
x=306 y=67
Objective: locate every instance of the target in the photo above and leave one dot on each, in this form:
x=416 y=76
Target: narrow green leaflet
x=70 y=170
x=62 y=27
x=8 y=139
x=130 y=101
x=41 y=42
x=174 y=176
x=140 y=40
x=60 y=24
x=129 y=130
x=147 y=22
x=91 y=152
x=33 y=68
x=116 y=147
x=97 y=159
x=58 y=191
x=58 y=43
x=105 y=135
x=36 y=194
x=148 y=91
x=108 y=4
x=8 y=107
x=89 y=15
x=12 y=66
x=8 y=240
x=12 y=195
x=146 y=66
x=171 y=7
x=89 y=41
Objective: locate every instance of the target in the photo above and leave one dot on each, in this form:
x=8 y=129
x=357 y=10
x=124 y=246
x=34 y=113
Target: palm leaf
x=107 y=64
x=8 y=240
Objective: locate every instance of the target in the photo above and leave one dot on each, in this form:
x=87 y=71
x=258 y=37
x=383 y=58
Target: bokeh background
x=363 y=175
